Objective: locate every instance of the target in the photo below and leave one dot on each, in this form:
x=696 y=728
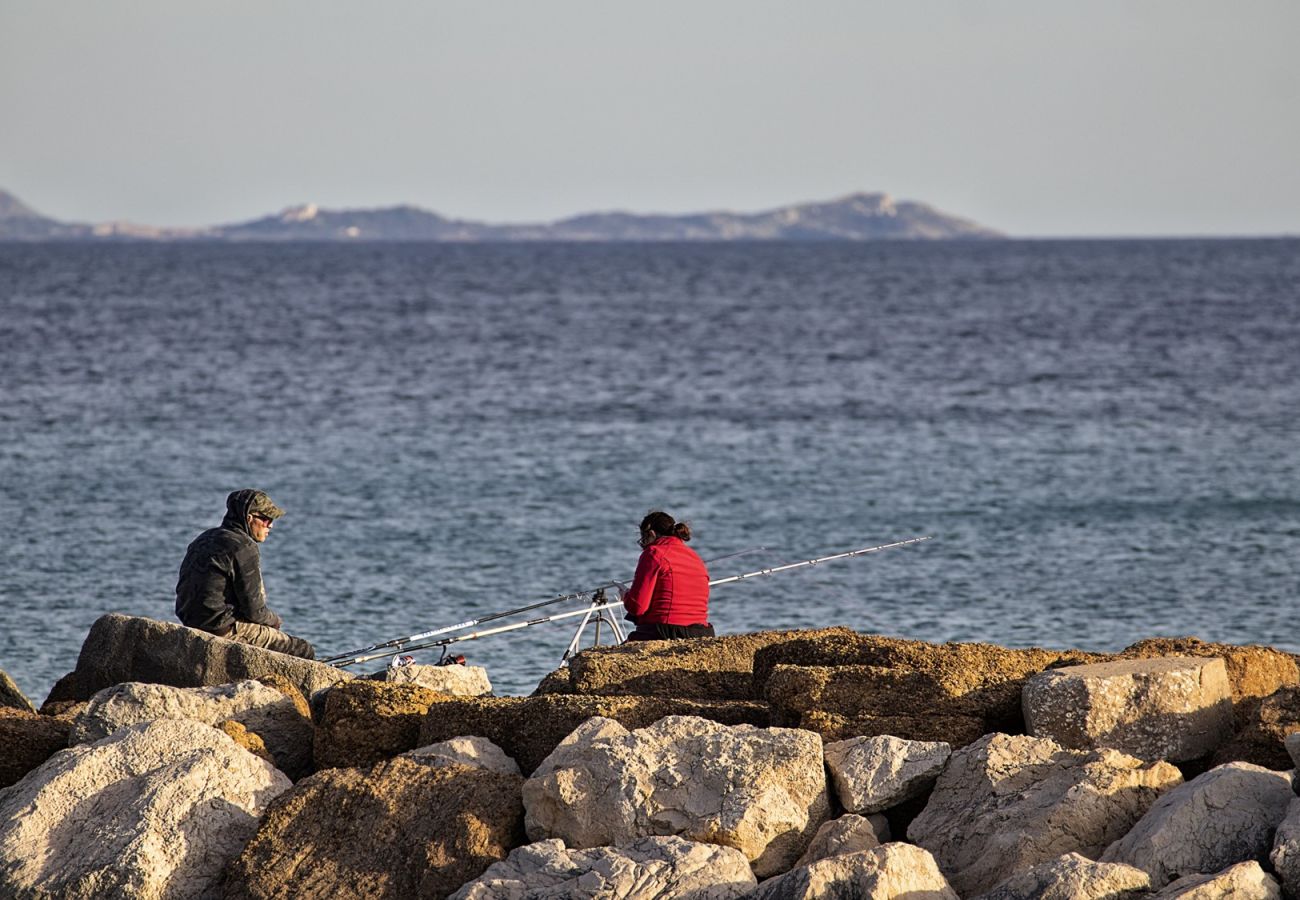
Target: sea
x=1099 y=438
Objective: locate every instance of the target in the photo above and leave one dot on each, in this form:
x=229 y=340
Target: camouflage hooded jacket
x=221 y=576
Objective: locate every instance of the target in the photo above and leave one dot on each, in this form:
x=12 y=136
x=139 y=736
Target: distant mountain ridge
x=856 y=217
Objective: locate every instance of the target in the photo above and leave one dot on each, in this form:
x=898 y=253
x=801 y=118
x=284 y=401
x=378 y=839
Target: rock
x=849 y=833
x=246 y=739
x=263 y=710
x=1254 y=672
x=979 y=681
x=155 y=810
x=666 y=866
x=11 y=697
x=955 y=731
x=876 y=773
x=131 y=648
x=1286 y=850
x=718 y=668
x=1175 y=708
x=1292 y=745
x=1244 y=881
x=467 y=751
x=26 y=741
x=529 y=728
x=364 y=722
x=457 y=680
x=1073 y=877
x=400 y=829
x=1007 y=803
x=1217 y=819
x=884 y=873
x=762 y=791
x=1265 y=726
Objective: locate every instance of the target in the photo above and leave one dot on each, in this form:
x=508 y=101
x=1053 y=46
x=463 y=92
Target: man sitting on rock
x=220 y=589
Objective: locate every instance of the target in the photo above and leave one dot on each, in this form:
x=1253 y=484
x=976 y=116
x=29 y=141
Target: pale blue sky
x=1166 y=117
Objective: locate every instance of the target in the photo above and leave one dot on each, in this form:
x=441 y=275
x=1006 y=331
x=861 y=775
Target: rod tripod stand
x=597 y=614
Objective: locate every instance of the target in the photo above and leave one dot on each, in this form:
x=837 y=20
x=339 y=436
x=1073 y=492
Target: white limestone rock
x=1244 y=881
x=849 y=833
x=458 y=680
x=665 y=867
x=872 y=774
x=887 y=872
x=1073 y=877
x=1007 y=803
x=467 y=751
x=761 y=790
x=1292 y=744
x=263 y=710
x=1286 y=850
x=1225 y=816
x=154 y=811
x=1174 y=708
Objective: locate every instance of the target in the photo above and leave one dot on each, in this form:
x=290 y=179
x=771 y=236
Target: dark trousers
x=660 y=632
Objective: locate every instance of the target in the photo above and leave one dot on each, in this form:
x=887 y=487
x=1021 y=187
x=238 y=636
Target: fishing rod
x=352 y=657
x=596 y=607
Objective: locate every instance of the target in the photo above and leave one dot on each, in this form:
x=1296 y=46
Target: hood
x=238 y=506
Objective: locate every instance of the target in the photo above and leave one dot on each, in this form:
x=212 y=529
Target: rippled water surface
x=1100 y=436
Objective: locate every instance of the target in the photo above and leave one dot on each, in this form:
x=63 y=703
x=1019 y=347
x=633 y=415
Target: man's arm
x=250 y=592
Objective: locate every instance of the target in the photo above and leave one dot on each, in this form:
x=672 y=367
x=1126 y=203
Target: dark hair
x=662 y=524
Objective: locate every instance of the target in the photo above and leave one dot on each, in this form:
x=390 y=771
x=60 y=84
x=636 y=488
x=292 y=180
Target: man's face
x=260 y=527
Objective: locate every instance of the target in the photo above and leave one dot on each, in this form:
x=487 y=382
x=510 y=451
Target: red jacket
x=671 y=585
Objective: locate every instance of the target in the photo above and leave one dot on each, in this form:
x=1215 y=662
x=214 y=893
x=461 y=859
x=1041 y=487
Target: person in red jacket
x=669 y=597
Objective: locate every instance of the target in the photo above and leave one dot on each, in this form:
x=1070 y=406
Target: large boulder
x=1285 y=856
x=717 y=668
x=404 y=828
x=529 y=728
x=1007 y=803
x=457 y=680
x=1244 y=881
x=667 y=866
x=886 y=872
x=1222 y=817
x=131 y=648
x=11 y=696
x=1073 y=877
x=905 y=680
x=877 y=773
x=155 y=810
x=1176 y=708
x=849 y=833
x=261 y=709
x=27 y=740
x=1254 y=672
x=363 y=722
x=762 y=791
x=1264 y=729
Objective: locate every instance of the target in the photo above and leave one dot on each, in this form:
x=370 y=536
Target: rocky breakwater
x=772 y=765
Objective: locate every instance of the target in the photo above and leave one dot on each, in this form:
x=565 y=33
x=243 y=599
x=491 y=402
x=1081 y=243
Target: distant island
x=857 y=217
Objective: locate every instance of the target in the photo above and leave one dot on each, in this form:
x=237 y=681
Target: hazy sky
x=1040 y=117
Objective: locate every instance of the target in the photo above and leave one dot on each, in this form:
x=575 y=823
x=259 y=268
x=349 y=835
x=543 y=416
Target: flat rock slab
x=133 y=648
x=665 y=867
x=156 y=810
x=1222 y=817
x=762 y=791
x=1176 y=708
